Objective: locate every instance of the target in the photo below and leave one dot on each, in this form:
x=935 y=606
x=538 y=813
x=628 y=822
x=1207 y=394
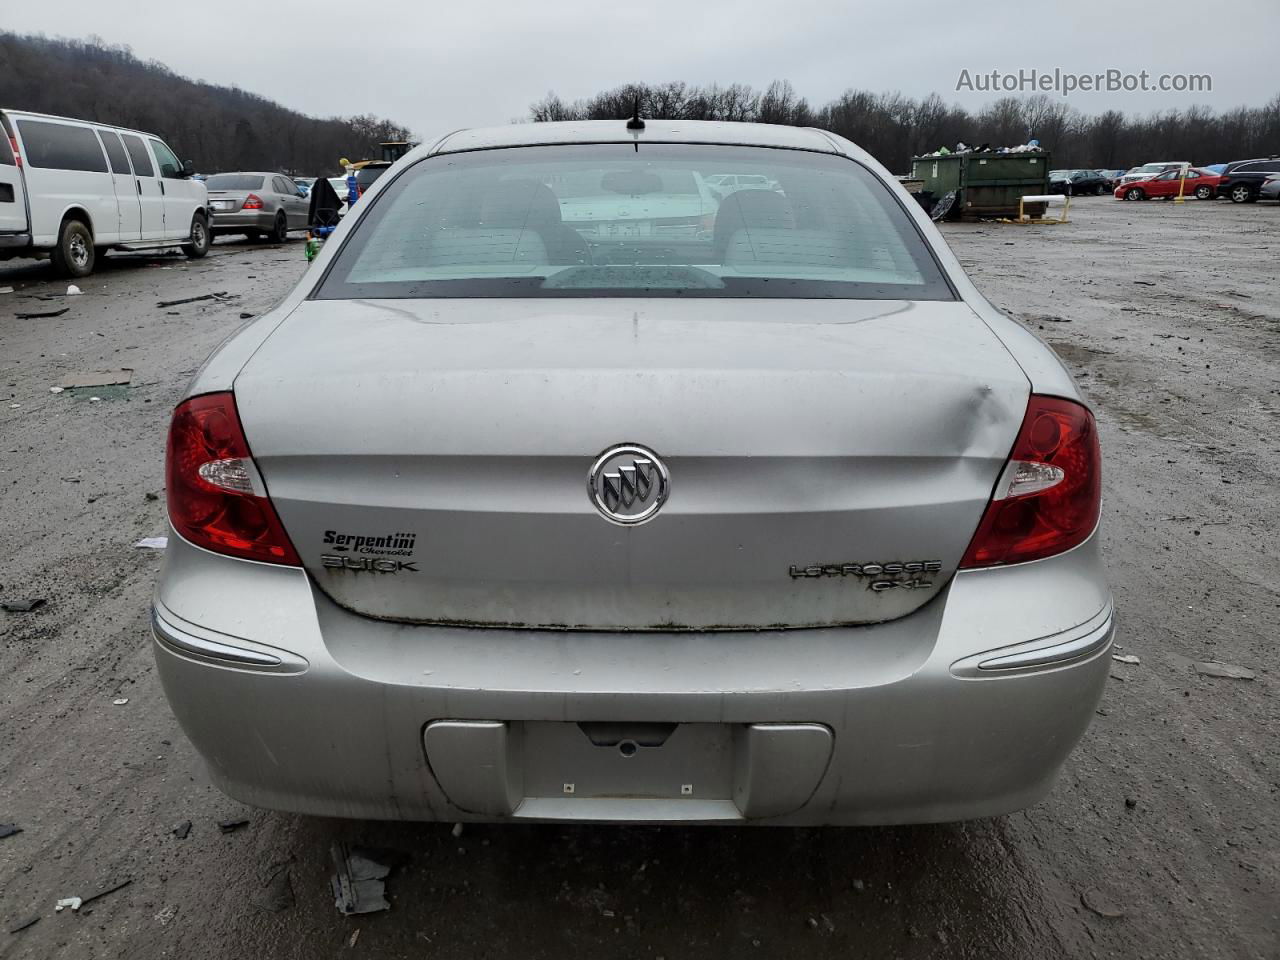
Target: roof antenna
x=635 y=123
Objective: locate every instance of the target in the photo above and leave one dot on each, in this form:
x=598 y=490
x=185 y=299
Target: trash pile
x=1031 y=146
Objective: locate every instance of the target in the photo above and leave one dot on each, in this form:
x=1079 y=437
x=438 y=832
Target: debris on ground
x=152 y=543
x=6 y=289
x=166 y=915
x=457 y=830
x=151 y=495
x=74 y=291
x=98 y=378
x=276 y=895
x=230 y=826
x=354 y=937
x=56 y=389
x=9 y=829
x=23 y=924
x=72 y=902
x=1125 y=658
x=246 y=316
x=120 y=701
x=102 y=893
x=1228 y=671
x=1094 y=900
x=22 y=605
x=182 y=829
x=221 y=295
x=41 y=314
x=358 y=879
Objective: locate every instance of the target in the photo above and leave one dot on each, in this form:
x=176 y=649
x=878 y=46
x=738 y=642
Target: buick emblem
x=628 y=484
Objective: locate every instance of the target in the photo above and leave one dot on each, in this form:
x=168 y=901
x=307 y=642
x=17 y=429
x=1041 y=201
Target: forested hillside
x=893 y=127
x=218 y=128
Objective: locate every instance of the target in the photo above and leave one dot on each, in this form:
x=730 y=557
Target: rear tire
x=280 y=231
x=1204 y=193
x=200 y=239
x=1242 y=193
x=74 y=256
x=1135 y=193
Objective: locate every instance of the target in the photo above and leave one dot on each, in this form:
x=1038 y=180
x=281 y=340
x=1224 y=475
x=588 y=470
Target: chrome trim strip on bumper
x=188 y=643
x=1077 y=644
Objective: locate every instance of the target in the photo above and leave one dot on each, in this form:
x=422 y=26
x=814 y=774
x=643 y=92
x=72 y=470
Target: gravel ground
x=1161 y=839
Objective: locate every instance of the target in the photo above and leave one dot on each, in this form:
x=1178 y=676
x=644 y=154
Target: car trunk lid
x=828 y=460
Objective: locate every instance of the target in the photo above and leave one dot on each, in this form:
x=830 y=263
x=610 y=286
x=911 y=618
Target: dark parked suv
x=1242 y=180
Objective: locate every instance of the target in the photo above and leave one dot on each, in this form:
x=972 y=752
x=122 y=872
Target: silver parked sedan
x=256 y=204
x=671 y=509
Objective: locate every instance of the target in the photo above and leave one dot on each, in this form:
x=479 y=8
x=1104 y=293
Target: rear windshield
x=610 y=220
x=234 y=181
x=365 y=176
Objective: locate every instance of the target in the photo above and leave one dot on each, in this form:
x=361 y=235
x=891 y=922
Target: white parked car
x=723 y=184
x=71 y=188
x=1148 y=170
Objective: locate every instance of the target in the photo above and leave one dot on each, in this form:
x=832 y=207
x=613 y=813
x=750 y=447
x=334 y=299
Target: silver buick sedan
x=565 y=488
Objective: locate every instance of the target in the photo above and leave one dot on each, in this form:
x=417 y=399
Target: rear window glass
x=608 y=220
x=365 y=176
x=234 y=181
x=61 y=146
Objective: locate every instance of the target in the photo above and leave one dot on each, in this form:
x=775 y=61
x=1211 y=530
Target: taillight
x=17 y=157
x=216 y=496
x=253 y=202
x=1048 y=497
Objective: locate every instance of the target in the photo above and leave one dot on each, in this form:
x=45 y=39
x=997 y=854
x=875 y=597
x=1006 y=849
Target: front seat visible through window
x=529 y=205
x=748 y=209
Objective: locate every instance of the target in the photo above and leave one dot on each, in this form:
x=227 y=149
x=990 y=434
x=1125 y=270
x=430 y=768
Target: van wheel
x=199 y=244
x=280 y=232
x=74 y=255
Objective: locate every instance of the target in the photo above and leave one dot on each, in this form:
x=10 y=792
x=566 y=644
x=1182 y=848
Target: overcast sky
x=436 y=65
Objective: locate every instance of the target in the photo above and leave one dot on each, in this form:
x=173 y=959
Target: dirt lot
x=1167 y=815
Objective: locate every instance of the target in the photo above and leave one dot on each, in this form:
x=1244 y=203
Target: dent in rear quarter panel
x=1042 y=366
x=223 y=365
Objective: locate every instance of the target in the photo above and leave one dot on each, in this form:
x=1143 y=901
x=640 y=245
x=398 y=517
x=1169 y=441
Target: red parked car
x=1201 y=184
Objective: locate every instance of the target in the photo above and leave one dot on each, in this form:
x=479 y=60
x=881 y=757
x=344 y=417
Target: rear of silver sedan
x=767 y=519
x=242 y=203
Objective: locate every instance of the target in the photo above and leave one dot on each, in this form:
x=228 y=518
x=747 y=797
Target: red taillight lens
x=1050 y=493
x=216 y=499
x=253 y=202
x=13 y=144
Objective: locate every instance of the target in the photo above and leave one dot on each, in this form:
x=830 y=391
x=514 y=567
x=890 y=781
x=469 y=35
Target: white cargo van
x=70 y=188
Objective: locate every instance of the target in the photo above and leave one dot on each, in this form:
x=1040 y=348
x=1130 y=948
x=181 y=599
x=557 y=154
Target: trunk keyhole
x=628 y=748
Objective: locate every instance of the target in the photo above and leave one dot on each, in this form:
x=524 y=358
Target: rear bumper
x=966 y=708
x=252 y=220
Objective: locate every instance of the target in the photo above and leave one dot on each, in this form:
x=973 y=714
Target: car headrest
x=520 y=203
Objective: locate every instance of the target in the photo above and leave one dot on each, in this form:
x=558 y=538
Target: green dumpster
x=985 y=184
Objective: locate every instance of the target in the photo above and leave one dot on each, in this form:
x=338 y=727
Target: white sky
x=436 y=66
